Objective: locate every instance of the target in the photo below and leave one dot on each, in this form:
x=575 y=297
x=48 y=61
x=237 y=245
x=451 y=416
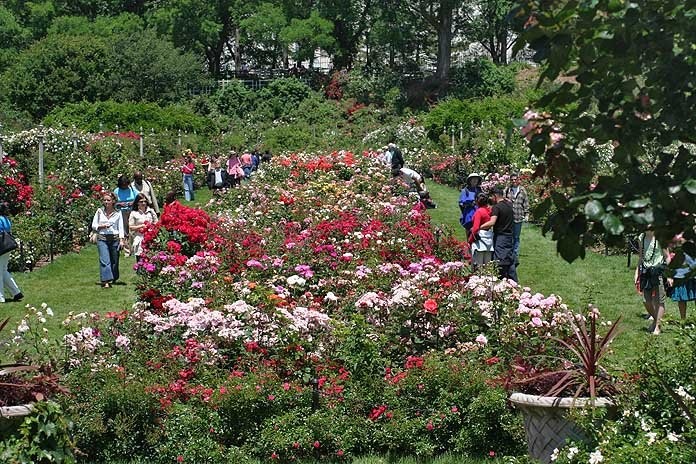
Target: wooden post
x=41 y=155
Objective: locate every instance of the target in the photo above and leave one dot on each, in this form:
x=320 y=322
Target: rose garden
x=318 y=312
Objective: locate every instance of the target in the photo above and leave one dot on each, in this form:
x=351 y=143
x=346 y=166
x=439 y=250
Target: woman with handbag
x=108 y=223
x=649 y=277
x=6 y=279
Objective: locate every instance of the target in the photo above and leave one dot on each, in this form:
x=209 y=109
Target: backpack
x=467 y=205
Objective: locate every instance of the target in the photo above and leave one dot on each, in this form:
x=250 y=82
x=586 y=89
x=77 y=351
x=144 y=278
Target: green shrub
x=191 y=432
x=481 y=78
x=115 y=418
x=128 y=116
x=234 y=99
x=280 y=99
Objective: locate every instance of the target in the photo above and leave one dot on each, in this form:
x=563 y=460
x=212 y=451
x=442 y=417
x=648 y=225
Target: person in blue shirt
x=125 y=195
x=6 y=279
x=467 y=201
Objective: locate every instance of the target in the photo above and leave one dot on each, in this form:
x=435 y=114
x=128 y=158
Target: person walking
x=217 y=178
x=6 y=279
x=649 y=276
x=502 y=222
x=108 y=223
x=125 y=194
x=467 y=201
x=142 y=214
x=517 y=195
x=142 y=185
x=187 y=170
x=683 y=289
x=480 y=240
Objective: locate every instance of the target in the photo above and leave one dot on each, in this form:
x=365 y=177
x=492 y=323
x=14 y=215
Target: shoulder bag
x=7 y=243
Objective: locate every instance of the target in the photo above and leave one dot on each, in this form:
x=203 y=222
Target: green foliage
x=56 y=70
x=308 y=34
x=234 y=99
x=115 y=418
x=481 y=78
x=453 y=112
x=91 y=61
x=262 y=34
x=631 y=87
x=382 y=89
x=43 y=437
x=280 y=99
x=192 y=431
x=128 y=116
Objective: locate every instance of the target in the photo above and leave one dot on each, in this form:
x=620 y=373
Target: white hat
x=473 y=174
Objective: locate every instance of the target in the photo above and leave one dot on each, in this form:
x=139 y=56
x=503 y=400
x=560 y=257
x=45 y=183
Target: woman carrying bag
x=6 y=279
x=650 y=279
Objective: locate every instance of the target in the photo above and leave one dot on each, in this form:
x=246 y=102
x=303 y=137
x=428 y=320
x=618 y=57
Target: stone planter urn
x=546 y=421
x=12 y=416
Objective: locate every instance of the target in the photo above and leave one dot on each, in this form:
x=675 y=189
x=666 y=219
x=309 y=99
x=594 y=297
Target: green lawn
x=603 y=280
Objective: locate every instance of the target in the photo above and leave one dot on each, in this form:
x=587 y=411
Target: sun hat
x=472 y=175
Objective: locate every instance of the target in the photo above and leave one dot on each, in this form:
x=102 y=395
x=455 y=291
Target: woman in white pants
x=6 y=279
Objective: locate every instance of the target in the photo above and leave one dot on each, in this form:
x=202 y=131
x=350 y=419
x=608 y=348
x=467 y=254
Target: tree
x=308 y=35
x=199 y=26
x=262 y=34
x=629 y=73
x=110 y=58
x=12 y=36
x=440 y=17
x=488 y=22
x=350 y=20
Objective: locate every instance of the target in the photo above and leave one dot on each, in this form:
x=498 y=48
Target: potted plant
x=20 y=386
x=548 y=387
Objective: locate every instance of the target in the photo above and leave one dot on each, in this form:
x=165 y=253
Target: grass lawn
x=603 y=280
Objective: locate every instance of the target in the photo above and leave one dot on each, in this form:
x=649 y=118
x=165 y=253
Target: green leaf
x=612 y=224
x=594 y=210
x=690 y=186
x=640 y=203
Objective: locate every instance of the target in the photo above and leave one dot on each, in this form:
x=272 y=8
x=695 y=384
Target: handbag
x=7 y=243
x=93 y=237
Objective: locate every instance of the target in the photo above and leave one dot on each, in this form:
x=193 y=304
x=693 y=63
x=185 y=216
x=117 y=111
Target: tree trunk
x=237 y=54
x=444 y=41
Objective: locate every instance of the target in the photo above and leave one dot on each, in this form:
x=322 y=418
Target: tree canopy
x=629 y=71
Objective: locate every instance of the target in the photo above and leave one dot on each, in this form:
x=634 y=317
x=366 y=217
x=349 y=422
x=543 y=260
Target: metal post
x=117 y=129
x=74 y=137
x=452 y=134
x=179 y=138
x=101 y=129
x=41 y=155
x=142 y=148
x=461 y=132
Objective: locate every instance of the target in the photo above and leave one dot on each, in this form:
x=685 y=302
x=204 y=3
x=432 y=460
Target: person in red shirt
x=187 y=170
x=481 y=241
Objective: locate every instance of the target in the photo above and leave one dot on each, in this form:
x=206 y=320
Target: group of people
x=655 y=286
x=493 y=222
x=120 y=222
x=223 y=173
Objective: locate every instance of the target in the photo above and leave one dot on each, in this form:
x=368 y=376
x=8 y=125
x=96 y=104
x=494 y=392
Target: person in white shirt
x=411 y=178
x=108 y=223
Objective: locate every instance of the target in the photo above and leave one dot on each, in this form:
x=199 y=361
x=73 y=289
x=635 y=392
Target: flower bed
x=312 y=313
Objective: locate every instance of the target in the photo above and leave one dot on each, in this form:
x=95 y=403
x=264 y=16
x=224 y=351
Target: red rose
x=430 y=306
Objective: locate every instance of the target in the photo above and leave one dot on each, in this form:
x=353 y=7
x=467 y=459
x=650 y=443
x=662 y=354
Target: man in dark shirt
x=397 y=158
x=502 y=220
